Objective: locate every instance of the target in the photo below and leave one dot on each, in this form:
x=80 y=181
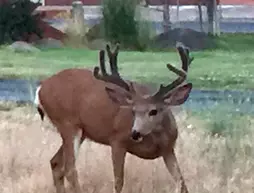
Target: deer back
x=76 y=97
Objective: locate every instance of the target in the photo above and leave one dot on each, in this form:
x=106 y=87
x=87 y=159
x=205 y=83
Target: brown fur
x=97 y=125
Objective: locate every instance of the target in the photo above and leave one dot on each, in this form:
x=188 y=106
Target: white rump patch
x=76 y=143
x=36 y=98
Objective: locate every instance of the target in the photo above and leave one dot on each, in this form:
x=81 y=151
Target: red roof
x=181 y=2
x=237 y=2
x=69 y=2
x=98 y=2
x=153 y=2
x=48 y=32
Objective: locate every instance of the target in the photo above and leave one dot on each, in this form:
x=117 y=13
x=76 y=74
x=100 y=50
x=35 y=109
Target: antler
x=113 y=59
x=115 y=77
x=186 y=61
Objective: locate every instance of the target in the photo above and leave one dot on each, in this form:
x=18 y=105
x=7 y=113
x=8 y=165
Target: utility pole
x=212 y=17
x=166 y=16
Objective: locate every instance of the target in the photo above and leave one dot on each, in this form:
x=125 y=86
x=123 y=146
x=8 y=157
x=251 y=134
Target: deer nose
x=135 y=135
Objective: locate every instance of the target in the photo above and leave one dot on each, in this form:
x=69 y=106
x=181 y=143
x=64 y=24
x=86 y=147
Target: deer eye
x=153 y=112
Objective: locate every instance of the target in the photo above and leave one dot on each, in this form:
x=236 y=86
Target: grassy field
x=218 y=163
x=229 y=66
x=214 y=148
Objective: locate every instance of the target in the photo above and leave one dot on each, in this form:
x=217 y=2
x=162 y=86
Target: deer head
x=148 y=110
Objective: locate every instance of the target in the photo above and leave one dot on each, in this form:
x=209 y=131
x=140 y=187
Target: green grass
x=236 y=42
x=221 y=68
x=223 y=123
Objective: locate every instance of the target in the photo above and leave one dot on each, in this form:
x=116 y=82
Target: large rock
x=193 y=39
x=97 y=44
x=48 y=43
x=20 y=46
x=95 y=32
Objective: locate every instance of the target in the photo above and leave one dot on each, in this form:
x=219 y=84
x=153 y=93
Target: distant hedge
x=119 y=21
x=17 y=20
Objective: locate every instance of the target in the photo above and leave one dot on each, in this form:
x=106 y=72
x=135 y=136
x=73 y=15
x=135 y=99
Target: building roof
x=153 y=2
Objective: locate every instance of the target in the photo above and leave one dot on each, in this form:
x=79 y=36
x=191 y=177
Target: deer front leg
x=118 y=158
x=173 y=168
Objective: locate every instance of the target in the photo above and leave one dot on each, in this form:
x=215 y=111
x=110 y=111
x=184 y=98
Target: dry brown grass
x=209 y=164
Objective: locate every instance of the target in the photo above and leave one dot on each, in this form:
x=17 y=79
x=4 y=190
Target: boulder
x=193 y=39
x=48 y=43
x=21 y=46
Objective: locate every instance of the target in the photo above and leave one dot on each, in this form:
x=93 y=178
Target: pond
x=231 y=101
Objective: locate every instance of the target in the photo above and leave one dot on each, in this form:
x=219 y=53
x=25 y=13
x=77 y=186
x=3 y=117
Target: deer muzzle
x=135 y=135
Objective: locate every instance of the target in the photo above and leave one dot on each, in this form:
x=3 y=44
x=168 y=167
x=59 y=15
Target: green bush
x=119 y=22
x=17 y=21
x=146 y=33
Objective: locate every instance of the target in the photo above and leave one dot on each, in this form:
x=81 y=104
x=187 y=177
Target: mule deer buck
x=108 y=110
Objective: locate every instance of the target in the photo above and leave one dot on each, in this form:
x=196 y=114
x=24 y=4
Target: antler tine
x=188 y=55
x=114 y=67
x=184 y=55
x=113 y=59
x=183 y=52
x=165 y=89
x=102 y=63
x=108 y=51
x=96 y=72
x=102 y=66
x=114 y=77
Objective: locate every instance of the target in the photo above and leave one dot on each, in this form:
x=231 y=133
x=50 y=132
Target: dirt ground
x=207 y=163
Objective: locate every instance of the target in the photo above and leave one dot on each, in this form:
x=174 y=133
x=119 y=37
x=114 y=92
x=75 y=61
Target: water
x=17 y=90
x=230 y=101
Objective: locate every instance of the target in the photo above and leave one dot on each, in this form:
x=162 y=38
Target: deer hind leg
x=71 y=144
x=173 y=168
x=57 y=167
x=58 y=164
x=118 y=158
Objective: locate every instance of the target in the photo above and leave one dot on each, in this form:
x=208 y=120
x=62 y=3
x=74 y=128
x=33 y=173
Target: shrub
x=119 y=22
x=17 y=20
x=145 y=35
x=75 y=31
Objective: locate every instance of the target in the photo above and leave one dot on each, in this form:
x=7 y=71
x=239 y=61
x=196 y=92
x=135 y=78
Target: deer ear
x=119 y=95
x=179 y=96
